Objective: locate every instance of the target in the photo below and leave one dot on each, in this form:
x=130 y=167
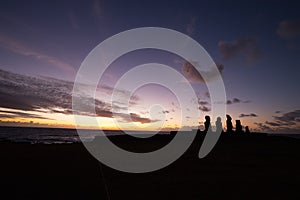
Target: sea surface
x=56 y=135
x=66 y=136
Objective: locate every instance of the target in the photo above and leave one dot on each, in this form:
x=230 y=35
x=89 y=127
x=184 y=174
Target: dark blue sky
x=257 y=42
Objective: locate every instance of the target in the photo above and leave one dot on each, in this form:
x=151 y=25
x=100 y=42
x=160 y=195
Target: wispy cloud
x=73 y=20
x=203 y=102
x=191 y=26
x=263 y=127
x=248 y=115
x=203 y=105
x=20 y=48
x=288 y=29
x=133 y=117
x=16 y=114
x=246 y=47
x=204 y=108
x=97 y=9
x=236 y=100
x=272 y=123
x=193 y=75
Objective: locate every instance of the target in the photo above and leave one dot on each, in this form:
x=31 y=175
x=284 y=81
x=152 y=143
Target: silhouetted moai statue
x=207 y=124
x=219 y=125
x=247 y=129
x=238 y=126
x=229 y=124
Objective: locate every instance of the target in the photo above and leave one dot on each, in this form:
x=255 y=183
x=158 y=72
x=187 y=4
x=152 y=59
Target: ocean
x=55 y=135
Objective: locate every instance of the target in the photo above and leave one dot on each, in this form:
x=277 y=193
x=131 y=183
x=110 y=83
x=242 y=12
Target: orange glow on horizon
x=59 y=120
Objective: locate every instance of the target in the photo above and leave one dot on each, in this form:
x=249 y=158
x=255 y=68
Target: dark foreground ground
x=244 y=167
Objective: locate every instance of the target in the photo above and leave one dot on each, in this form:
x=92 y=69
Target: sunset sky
x=256 y=45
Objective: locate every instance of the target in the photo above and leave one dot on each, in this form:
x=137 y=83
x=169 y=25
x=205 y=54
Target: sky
x=255 y=44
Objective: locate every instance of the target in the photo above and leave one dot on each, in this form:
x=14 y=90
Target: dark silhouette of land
x=241 y=166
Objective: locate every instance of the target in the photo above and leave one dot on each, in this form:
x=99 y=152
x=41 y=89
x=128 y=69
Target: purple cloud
x=246 y=47
x=288 y=29
x=248 y=115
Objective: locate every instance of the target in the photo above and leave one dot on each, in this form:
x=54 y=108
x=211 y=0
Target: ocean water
x=54 y=135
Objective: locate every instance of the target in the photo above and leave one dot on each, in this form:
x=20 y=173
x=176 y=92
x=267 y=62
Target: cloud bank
x=48 y=95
